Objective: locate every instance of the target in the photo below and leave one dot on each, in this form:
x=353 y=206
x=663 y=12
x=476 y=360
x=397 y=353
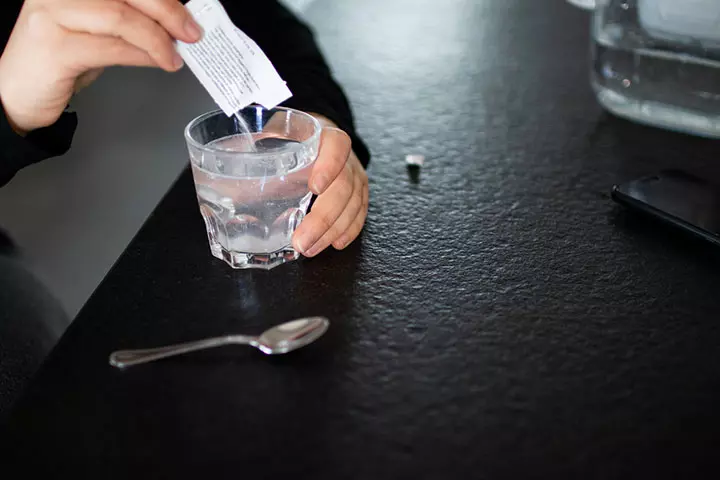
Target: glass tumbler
x=251 y=175
x=658 y=61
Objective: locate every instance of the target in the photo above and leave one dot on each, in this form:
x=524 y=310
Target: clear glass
x=253 y=189
x=658 y=62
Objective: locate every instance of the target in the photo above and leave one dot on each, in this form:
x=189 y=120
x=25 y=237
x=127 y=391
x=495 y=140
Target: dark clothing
x=30 y=323
x=287 y=42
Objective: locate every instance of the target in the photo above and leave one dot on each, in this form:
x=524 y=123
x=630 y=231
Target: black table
x=499 y=318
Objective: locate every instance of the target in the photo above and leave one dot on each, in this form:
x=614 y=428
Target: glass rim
x=288 y=148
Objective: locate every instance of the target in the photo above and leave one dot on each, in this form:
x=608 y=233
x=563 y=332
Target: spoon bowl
x=290 y=336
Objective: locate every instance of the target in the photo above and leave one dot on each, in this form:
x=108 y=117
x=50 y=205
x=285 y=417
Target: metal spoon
x=282 y=338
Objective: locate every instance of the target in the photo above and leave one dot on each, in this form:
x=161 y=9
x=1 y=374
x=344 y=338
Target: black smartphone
x=676 y=198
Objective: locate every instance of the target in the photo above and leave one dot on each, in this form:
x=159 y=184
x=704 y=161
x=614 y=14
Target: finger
x=116 y=19
x=172 y=15
x=356 y=227
x=325 y=211
x=346 y=218
x=92 y=51
x=335 y=150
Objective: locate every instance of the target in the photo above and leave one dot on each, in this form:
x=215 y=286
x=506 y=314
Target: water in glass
x=251 y=208
x=658 y=62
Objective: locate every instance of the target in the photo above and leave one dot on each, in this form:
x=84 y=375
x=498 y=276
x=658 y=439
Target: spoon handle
x=128 y=358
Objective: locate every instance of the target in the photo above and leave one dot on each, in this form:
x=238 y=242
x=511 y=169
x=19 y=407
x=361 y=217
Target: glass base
x=262 y=261
x=658 y=114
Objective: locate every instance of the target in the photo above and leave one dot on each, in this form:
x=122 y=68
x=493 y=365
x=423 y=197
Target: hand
x=59 y=46
x=340 y=181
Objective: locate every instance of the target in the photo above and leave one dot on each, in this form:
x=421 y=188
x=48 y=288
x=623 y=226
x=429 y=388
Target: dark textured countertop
x=499 y=318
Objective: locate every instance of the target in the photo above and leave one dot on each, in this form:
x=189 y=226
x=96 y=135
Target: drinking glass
x=658 y=61
x=251 y=175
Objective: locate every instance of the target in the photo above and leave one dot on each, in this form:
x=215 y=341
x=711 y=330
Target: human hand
x=60 y=46
x=340 y=181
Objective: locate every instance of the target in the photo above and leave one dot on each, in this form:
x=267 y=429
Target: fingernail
x=341 y=243
x=178 y=61
x=193 y=29
x=312 y=252
x=320 y=184
x=298 y=246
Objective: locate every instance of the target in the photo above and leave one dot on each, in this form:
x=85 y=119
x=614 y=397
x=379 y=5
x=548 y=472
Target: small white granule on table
x=415 y=160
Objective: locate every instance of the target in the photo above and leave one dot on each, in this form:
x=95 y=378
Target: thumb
x=335 y=148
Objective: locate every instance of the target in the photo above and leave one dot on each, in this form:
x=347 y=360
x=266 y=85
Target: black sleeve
x=17 y=152
x=291 y=47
